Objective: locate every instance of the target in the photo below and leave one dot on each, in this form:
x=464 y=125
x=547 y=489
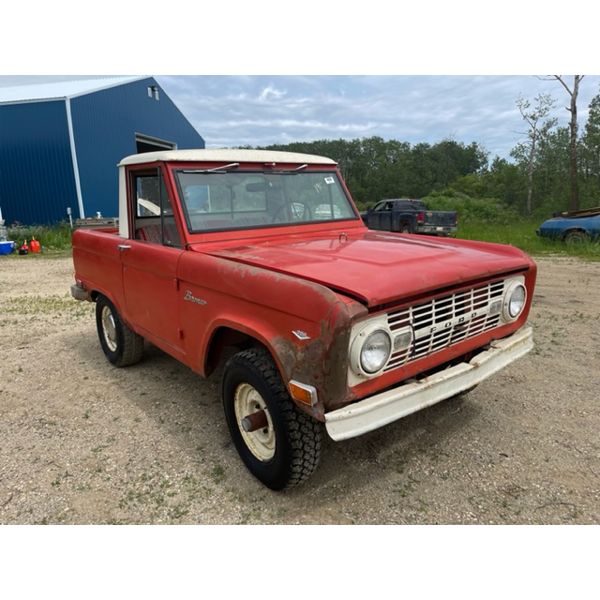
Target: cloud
x=233 y=111
x=301 y=124
x=271 y=92
x=262 y=110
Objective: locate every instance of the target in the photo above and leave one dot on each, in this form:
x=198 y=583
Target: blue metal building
x=60 y=143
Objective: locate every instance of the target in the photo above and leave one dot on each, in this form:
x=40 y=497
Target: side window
x=154 y=220
x=380 y=206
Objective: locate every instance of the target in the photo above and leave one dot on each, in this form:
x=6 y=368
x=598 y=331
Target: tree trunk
x=530 y=171
x=573 y=171
x=574 y=203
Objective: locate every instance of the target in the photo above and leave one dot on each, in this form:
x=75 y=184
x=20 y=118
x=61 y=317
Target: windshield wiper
x=300 y=168
x=222 y=169
x=225 y=169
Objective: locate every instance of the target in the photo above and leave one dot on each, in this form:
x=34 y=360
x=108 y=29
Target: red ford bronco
x=261 y=259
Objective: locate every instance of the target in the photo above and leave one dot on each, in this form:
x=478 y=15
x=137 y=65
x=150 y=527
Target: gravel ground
x=83 y=442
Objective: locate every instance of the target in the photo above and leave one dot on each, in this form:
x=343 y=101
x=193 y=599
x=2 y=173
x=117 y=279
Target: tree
x=538 y=128
x=572 y=108
x=375 y=168
x=591 y=141
x=551 y=178
x=504 y=181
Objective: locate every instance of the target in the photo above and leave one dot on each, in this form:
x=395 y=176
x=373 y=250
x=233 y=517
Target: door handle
x=123 y=247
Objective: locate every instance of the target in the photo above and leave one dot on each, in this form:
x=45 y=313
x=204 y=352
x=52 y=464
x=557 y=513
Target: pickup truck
x=259 y=261
x=572 y=226
x=409 y=216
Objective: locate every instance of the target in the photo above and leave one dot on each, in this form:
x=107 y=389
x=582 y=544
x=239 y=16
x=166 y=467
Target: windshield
x=217 y=201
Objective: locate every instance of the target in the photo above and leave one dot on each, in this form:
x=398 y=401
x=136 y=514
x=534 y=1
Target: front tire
x=121 y=345
x=286 y=451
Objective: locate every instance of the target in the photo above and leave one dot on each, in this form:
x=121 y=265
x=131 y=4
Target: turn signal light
x=306 y=394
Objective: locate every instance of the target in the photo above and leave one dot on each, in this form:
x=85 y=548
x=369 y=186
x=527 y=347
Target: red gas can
x=35 y=246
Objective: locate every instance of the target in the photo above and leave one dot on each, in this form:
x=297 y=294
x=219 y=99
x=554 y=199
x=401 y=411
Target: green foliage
x=590 y=155
x=364 y=206
x=487 y=210
x=473 y=185
x=375 y=168
x=521 y=233
x=53 y=238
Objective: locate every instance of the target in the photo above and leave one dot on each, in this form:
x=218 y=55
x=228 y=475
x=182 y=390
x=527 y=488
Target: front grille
x=444 y=321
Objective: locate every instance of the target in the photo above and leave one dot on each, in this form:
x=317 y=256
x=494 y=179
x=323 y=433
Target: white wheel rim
x=109 y=329
x=261 y=442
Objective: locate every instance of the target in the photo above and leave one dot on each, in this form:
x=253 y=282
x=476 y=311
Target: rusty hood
x=376 y=267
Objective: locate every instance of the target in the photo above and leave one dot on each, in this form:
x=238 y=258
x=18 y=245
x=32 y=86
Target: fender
x=261 y=332
x=305 y=325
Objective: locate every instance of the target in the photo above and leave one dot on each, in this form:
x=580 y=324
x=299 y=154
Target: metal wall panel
x=105 y=124
x=36 y=172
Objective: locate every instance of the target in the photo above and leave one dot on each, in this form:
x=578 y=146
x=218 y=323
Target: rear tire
x=287 y=451
x=576 y=236
x=121 y=345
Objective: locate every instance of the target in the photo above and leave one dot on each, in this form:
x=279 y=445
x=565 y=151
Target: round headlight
x=517 y=301
x=375 y=351
x=514 y=301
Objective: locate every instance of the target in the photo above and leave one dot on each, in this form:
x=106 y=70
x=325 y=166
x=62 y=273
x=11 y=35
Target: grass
x=53 y=239
x=218 y=473
x=37 y=305
x=522 y=235
x=519 y=232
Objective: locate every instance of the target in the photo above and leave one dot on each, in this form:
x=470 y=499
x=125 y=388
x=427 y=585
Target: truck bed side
x=98 y=263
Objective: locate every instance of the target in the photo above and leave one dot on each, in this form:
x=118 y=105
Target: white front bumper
x=381 y=409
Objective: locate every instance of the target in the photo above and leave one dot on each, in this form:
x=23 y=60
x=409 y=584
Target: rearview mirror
x=257 y=186
x=262 y=186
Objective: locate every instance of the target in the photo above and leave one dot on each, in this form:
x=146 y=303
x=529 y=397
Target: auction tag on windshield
x=329 y=180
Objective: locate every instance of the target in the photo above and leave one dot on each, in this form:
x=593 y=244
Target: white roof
x=60 y=89
x=226 y=155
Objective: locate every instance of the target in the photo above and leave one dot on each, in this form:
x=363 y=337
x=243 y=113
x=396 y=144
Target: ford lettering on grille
x=450 y=323
x=445 y=321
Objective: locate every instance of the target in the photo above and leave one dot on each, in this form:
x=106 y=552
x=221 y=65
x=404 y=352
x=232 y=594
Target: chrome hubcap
x=261 y=442
x=109 y=329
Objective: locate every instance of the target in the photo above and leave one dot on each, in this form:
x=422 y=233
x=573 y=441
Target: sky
x=234 y=110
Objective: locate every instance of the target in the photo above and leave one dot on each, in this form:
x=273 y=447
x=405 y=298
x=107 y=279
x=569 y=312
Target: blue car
x=576 y=226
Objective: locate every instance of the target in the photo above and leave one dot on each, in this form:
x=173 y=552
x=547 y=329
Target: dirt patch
x=83 y=442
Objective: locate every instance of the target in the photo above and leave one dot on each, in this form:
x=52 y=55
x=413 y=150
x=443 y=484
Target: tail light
x=421 y=217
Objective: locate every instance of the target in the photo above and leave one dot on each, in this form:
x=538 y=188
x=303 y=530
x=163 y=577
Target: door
x=382 y=216
x=148 y=143
x=150 y=258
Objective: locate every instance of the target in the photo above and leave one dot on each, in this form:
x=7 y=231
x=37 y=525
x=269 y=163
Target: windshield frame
x=283 y=172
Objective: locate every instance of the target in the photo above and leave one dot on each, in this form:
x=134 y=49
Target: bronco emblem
x=191 y=298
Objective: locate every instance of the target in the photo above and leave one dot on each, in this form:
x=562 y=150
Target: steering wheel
x=299 y=211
